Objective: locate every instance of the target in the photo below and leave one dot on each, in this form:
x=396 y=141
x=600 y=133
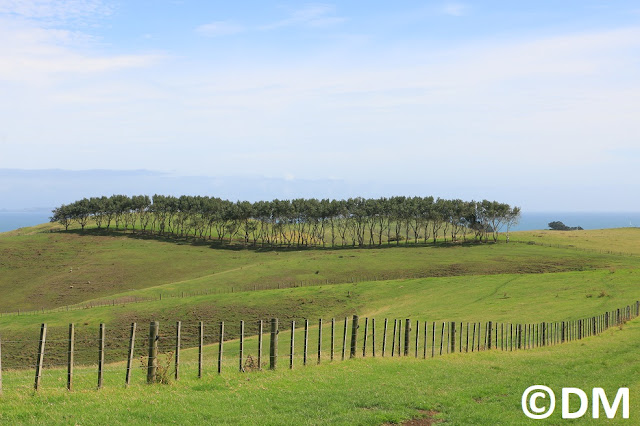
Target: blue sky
x=534 y=103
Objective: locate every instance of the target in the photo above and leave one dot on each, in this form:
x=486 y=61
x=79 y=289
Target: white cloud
x=312 y=15
x=454 y=9
x=219 y=28
x=33 y=54
x=56 y=11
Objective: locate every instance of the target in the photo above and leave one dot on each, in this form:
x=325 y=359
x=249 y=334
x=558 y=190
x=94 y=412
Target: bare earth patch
x=427 y=418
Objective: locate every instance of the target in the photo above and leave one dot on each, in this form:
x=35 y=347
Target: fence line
x=507 y=337
x=128 y=300
x=571 y=247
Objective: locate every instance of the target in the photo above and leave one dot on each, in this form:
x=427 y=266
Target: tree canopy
x=298 y=222
x=559 y=226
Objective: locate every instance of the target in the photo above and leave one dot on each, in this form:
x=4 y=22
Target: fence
x=241 y=346
x=127 y=300
x=572 y=247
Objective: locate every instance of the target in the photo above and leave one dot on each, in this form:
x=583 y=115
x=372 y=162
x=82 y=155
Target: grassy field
x=618 y=240
x=461 y=389
x=40 y=269
x=563 y=276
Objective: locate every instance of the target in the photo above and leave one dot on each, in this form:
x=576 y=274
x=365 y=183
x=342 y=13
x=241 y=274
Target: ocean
x=539 y=220
x=10 y=220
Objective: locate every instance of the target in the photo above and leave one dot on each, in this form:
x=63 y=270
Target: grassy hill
x=459 y=389
x=559 y=276
x=42 y=269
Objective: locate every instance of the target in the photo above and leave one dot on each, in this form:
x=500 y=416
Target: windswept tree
x=63 y=215
x=300 y=222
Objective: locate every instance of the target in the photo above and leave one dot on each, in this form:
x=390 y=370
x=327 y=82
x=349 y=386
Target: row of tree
x=299 y=222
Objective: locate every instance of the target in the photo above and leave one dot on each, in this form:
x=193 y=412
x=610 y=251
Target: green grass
x=461 y=389
x=513 y=283
x=505 y=298
x=618 y=240
x=40 y=269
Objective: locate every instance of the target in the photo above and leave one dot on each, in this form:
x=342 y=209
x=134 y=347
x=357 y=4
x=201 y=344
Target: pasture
x=562 y=277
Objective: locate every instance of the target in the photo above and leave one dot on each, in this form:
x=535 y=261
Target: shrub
x=163 y=369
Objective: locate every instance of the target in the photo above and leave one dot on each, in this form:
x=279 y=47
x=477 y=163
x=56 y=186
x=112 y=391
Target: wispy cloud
x=454 y=9
x=219 y=28
x=45 y=38
x=56 y=11
x=312 y=15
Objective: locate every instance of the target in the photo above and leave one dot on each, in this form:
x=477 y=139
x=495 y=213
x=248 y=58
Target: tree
x=559 y=226
x=62 y=215
x=513 y=217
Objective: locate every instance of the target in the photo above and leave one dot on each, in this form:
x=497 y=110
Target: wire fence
x=127 y=300
x=576 y=248
x=169 y=352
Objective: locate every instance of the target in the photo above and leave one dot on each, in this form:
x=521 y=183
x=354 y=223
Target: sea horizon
x=14 y=219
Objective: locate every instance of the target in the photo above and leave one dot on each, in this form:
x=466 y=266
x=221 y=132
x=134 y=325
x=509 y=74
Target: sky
x=531 y=103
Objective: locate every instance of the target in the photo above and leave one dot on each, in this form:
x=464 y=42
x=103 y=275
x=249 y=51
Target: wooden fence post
x=273 y=349
x=70 y=353
x=384 y=337
x=177 y=358
x=220 y=347
x=399 y=337
x=319 y=339
x=132 y=340
x=488 y=333
x=510 y=337
x=373 y=337
x=354 y=336
x=393 y=341
x=43 y=338
x=260 y=345
x=293 y=333
x=407 y=336
x=426 y=331
x=152 y=365
x=100 y=356
x=433 y=339
x=448 y=334
x=305 y=342
x=200 y=347
x=441 y=338
x=467 y=344
x=344 y=338
x=366 y=331
x=579 y=329
x=417 y=336
x=452 y=330
x=460 y=339
x=473 y=338
x=241 y=351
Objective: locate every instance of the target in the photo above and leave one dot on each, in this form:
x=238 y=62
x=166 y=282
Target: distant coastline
x=587 y=220
x=14 y=219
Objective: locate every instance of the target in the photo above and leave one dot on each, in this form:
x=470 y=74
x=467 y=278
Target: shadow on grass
x=239 y=245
